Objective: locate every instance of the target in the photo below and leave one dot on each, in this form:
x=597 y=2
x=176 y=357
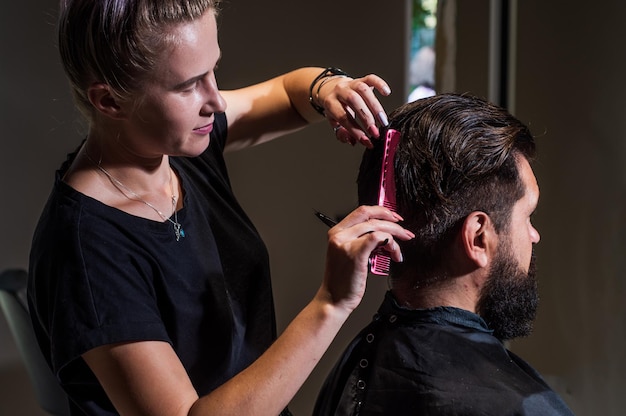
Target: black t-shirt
x=99 y=276
x=440 y=361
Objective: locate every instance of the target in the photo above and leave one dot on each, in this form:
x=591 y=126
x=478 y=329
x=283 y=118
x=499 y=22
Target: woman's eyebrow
x=190 y=81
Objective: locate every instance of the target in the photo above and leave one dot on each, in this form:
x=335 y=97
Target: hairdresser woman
x=150 y=289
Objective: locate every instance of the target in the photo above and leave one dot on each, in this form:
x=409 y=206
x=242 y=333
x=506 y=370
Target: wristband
x=327 y=73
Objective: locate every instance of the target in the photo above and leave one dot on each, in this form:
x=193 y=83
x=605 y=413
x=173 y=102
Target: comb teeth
x=389 y=204
x=380 y=263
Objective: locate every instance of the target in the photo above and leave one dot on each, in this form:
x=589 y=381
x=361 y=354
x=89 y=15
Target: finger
x=392 y=249
x=354 y=115
x=368 y=108
x=372 y=232
x=336 y=127
x=341 y=133
x=360 y=124
x=363 y=247
x=379 y=230
x=352 y=132
x=366 y=213
x=377 y=82
x=357 y=108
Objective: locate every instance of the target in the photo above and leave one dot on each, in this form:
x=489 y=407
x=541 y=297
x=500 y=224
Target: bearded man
x=466 y=189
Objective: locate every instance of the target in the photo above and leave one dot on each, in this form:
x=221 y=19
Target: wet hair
x=457 y=154
x=118 y=42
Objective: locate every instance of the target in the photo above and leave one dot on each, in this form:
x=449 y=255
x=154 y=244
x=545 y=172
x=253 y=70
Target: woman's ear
x=479 y=238
x=104 y=100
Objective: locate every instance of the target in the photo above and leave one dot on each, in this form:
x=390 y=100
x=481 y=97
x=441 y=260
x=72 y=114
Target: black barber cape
x=440 y=361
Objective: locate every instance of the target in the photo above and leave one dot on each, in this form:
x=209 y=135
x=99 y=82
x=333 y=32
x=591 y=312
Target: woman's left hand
x=352 y=108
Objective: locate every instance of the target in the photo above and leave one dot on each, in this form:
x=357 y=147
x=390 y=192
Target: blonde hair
x=118 y=42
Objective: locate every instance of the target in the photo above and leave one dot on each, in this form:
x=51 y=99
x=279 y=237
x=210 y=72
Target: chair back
x=48 y=392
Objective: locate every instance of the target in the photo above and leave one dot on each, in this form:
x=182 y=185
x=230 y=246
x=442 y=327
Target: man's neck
x=457 y=292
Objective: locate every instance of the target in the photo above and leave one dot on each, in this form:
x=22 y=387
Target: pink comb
x=381 y=262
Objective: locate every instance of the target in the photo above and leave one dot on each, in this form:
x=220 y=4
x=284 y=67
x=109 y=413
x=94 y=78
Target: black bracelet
x=328 y=72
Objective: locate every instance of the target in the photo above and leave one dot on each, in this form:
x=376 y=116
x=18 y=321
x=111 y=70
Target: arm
x=281 y=105
x=146 y=378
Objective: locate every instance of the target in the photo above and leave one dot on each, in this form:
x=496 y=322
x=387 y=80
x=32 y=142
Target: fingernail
x=386 y=90
x=383 y=118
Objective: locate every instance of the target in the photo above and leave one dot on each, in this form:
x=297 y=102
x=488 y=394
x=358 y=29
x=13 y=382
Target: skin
x=523 y=234
x=174 y=116
x=133 y=140
x=475 y=250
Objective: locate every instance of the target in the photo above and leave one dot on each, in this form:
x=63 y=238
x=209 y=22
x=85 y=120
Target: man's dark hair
x=457 y=154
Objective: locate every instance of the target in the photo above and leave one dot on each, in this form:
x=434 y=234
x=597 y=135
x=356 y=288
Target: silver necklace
x=178 y=229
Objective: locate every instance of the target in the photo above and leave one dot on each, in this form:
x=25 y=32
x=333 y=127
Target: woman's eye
x=190 y=88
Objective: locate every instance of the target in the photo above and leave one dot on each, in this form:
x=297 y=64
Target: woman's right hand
x=350 y=245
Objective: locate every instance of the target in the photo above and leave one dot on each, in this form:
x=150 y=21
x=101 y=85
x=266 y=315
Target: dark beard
x=508 y=301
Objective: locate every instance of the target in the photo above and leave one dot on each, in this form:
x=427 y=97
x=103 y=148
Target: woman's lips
x=204 y=129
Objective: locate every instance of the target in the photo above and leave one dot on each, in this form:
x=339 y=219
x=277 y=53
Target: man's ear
x=104 y=100
x=479 y=238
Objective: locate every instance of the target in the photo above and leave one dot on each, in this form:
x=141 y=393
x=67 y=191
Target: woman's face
x=175 y=114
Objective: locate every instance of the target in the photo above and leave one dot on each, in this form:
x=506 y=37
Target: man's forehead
x=529 y=180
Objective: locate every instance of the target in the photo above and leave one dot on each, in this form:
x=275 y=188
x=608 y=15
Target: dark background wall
x=568 y=87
